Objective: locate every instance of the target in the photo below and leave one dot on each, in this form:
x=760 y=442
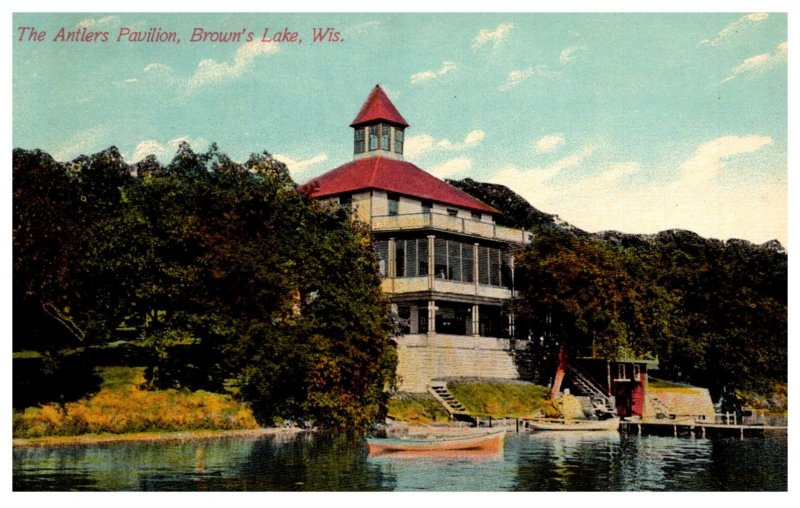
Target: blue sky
x=633 y=122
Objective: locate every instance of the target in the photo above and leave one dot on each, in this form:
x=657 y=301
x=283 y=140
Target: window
x=621 y=371
x=382 y=252
x=467 y=262
x=359 y=140
x=385 y=137
x=422 y=256
x=476 y=215
x=346 y=201
x=483 y=265
x=373 y=137
x=400 y=258
x=394 y=203
x=636 y=372
x=440 y=258
x=454 y=260
x=452 y=212
x=506 y=275
x=426 y=206
x=398 y=141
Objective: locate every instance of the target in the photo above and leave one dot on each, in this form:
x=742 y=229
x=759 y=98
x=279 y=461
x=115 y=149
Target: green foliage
x=229 y=276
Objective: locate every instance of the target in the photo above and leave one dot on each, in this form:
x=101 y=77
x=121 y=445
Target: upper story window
x=394 y=204
x=427 y=206
x=398 y=141
x=359 y=140
x=476 y=215
x=452 y=212
x=346 y=201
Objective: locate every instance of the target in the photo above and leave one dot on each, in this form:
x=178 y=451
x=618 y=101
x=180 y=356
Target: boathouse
x=446 y=265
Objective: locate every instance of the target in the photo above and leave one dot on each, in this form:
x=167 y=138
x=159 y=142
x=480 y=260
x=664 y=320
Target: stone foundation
x=424 y=357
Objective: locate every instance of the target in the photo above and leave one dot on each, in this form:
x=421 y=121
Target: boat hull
x=486 y=442
x=576 y=425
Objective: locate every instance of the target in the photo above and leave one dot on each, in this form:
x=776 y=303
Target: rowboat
x=483 y=442
x=554 y=424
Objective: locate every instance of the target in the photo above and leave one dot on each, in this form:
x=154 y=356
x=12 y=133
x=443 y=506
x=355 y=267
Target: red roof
x=378 y=107
x=391 y=175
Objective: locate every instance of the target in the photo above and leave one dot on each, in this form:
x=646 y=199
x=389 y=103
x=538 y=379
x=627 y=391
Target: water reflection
x=546 y=461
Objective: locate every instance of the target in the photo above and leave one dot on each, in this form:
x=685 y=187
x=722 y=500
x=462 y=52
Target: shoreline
x=185 y=435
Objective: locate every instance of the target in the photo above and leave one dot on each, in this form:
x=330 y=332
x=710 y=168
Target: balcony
x=401 y=285
x=442 y=222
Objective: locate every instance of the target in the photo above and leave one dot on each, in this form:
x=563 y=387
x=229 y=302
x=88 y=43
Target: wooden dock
x=692 y=428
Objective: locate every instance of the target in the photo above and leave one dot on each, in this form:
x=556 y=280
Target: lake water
x=308 y=462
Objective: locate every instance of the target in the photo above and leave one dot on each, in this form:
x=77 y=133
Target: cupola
x=379 y=129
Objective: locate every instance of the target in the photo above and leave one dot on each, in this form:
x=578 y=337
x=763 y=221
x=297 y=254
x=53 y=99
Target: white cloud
x=451 y=167
x=700 y=196
x=549 y=143
x=533 y=182
x=474 y=137
x=421 y=143
x=495 y=36
x=164 y=151
x=710 y=157
x=736 y=27
x=423 y=76
x=148 y=147
x=210 y=71
x=760 y=63
x=156 y=67
x=417 y=144
x=83 y=142
x=104 y=21
x=296 y=167
x=568 y=54
x=428 y=75
x=516 y=77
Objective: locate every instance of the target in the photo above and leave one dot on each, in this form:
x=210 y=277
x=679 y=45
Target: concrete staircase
x=457 y=411
x=601 y=402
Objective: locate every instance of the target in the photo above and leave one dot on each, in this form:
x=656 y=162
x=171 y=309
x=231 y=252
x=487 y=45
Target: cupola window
x=359 y=140
x=398 y=141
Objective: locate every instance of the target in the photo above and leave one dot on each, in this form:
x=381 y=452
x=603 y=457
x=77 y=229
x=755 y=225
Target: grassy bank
x=121 y=406
x=416 y=409
x=523 y=400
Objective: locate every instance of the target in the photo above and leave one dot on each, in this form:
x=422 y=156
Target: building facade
x=447 y=267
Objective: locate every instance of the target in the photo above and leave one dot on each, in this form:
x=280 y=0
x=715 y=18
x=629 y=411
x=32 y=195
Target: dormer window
x=359 y=140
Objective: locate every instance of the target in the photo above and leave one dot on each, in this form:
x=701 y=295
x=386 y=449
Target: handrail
x=463 y=225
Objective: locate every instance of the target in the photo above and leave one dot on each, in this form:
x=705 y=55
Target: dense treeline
x=713 y=313
x=222 y=273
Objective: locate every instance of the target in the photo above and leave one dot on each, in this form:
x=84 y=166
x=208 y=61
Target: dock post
x=675 y=430
x=490 y=422
x=741 y=433
x=639 y=425
x=517 y=422
x=704 y=431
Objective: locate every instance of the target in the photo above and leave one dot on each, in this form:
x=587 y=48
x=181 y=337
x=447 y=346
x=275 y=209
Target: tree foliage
x=714 y=313
x=228 y=276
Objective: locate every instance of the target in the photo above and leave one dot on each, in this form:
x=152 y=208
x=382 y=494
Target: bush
x=122 y=406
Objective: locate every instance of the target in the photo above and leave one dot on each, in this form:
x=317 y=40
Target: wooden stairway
x=452 y=406
x=601 y=402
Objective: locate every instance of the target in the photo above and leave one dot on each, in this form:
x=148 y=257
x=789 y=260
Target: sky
x=629 y=122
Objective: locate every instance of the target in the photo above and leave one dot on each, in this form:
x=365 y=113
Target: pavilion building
x=446 y=265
